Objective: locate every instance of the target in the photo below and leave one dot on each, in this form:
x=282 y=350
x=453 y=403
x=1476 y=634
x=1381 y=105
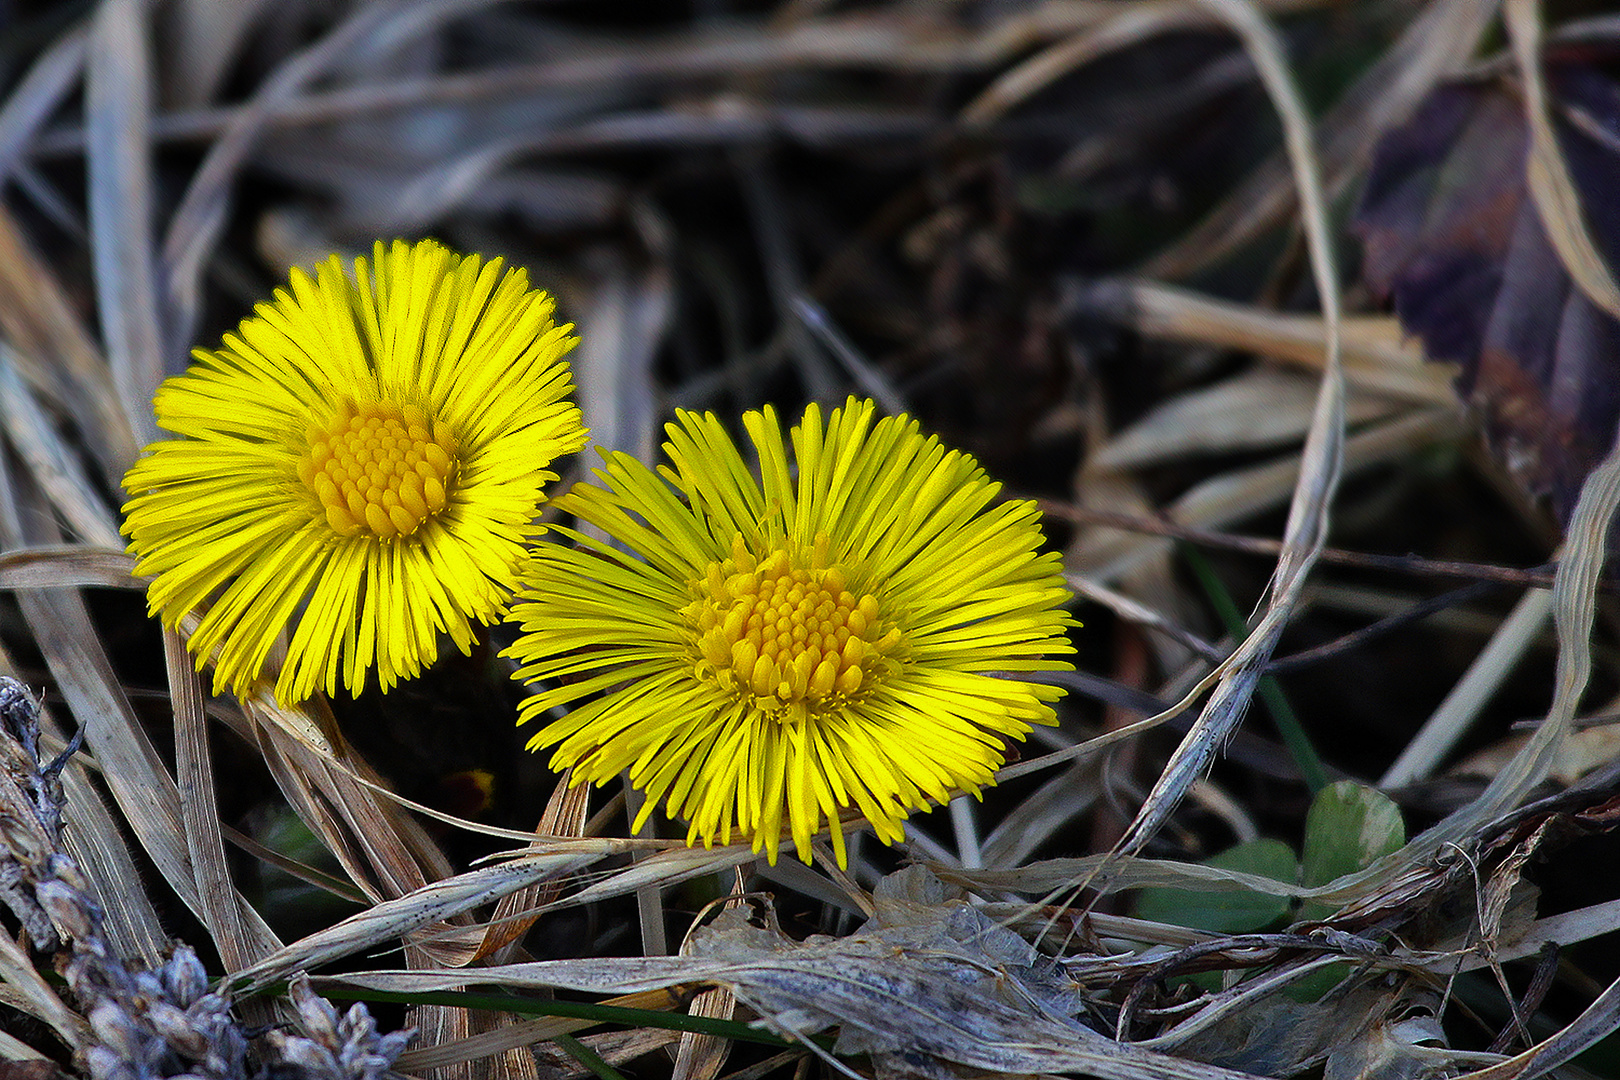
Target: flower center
x=788 y=630
x=379 y=468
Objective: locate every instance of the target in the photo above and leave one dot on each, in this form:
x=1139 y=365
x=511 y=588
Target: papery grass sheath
x=358 y=467
x=760 y=649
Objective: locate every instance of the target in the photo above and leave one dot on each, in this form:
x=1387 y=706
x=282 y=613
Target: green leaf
x=1226 y=911
x=738 y=1030
x=1350 y=825
x=587 y=1057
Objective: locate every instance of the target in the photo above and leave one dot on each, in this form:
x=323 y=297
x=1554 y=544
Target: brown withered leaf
x=1451 y=234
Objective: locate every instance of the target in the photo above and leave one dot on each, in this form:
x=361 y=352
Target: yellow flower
x=780 y=646
x=360 y=464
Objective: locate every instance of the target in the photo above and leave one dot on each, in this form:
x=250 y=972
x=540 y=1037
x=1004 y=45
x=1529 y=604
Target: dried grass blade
x=866 y=375
x=29 y=993
x=437 y=1024
x=1574 y=600
x=1115 y=873
x=383 y=844
x=198 y=219
x=480 y=173
x=54 y=351
x=660 y=869
x=1129 y=26
x=1139 y=614
x=131 y=767
x=1234 y=495
x=701 y=1057
x=298 y=724
x=97 y=845
x=395 y=842
x=73 y=654
x=1217 y=502
x=1434 y=47
x=313 y=810
x=588 y=68
x=920 y=45
x=385 y=851
x=512 y=1063
x=432 y=903
x=605 y=975
x=1153 y=579
x=1377 y=355
x=366 y=839
x=1230 y=1006
x=487 y=1044
x=14 y=1049
x=609 y=1049
x=1320 y=467
x=1597 y=1021
x=57 y=566
x=1564 y=929
x=328 y=883
x=801 y=990
x=783 y=270
x=225 y=912
x=1440 y=733
x=49 y=81
x=1036 y=818
x=564 y=815
x=1552 y=188
x=54 y=466
x=1257 y=409
x=200 y=215
x=621 y=331
x=118 y=96
x=203 y=37
x=133 y=770
x=523 y=1033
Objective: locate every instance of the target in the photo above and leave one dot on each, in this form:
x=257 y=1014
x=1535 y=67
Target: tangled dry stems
x=166 y=1022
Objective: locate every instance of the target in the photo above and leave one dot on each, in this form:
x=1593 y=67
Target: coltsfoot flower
x=360 y=465
x=775 y=647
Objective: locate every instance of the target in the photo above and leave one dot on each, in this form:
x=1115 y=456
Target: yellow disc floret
x=845 y=620
x=788 y=630
x=379 y=468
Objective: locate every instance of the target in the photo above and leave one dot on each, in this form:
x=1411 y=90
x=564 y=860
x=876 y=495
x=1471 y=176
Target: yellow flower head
x=780 y=646
x=360 y=464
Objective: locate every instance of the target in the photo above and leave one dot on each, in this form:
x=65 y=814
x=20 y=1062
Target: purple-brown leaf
x=1452 y=236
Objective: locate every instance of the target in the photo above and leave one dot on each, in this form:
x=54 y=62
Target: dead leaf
x=1453 y=237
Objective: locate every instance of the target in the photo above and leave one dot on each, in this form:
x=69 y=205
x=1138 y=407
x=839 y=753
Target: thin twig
x=1357 y=638
x=1415 y=565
